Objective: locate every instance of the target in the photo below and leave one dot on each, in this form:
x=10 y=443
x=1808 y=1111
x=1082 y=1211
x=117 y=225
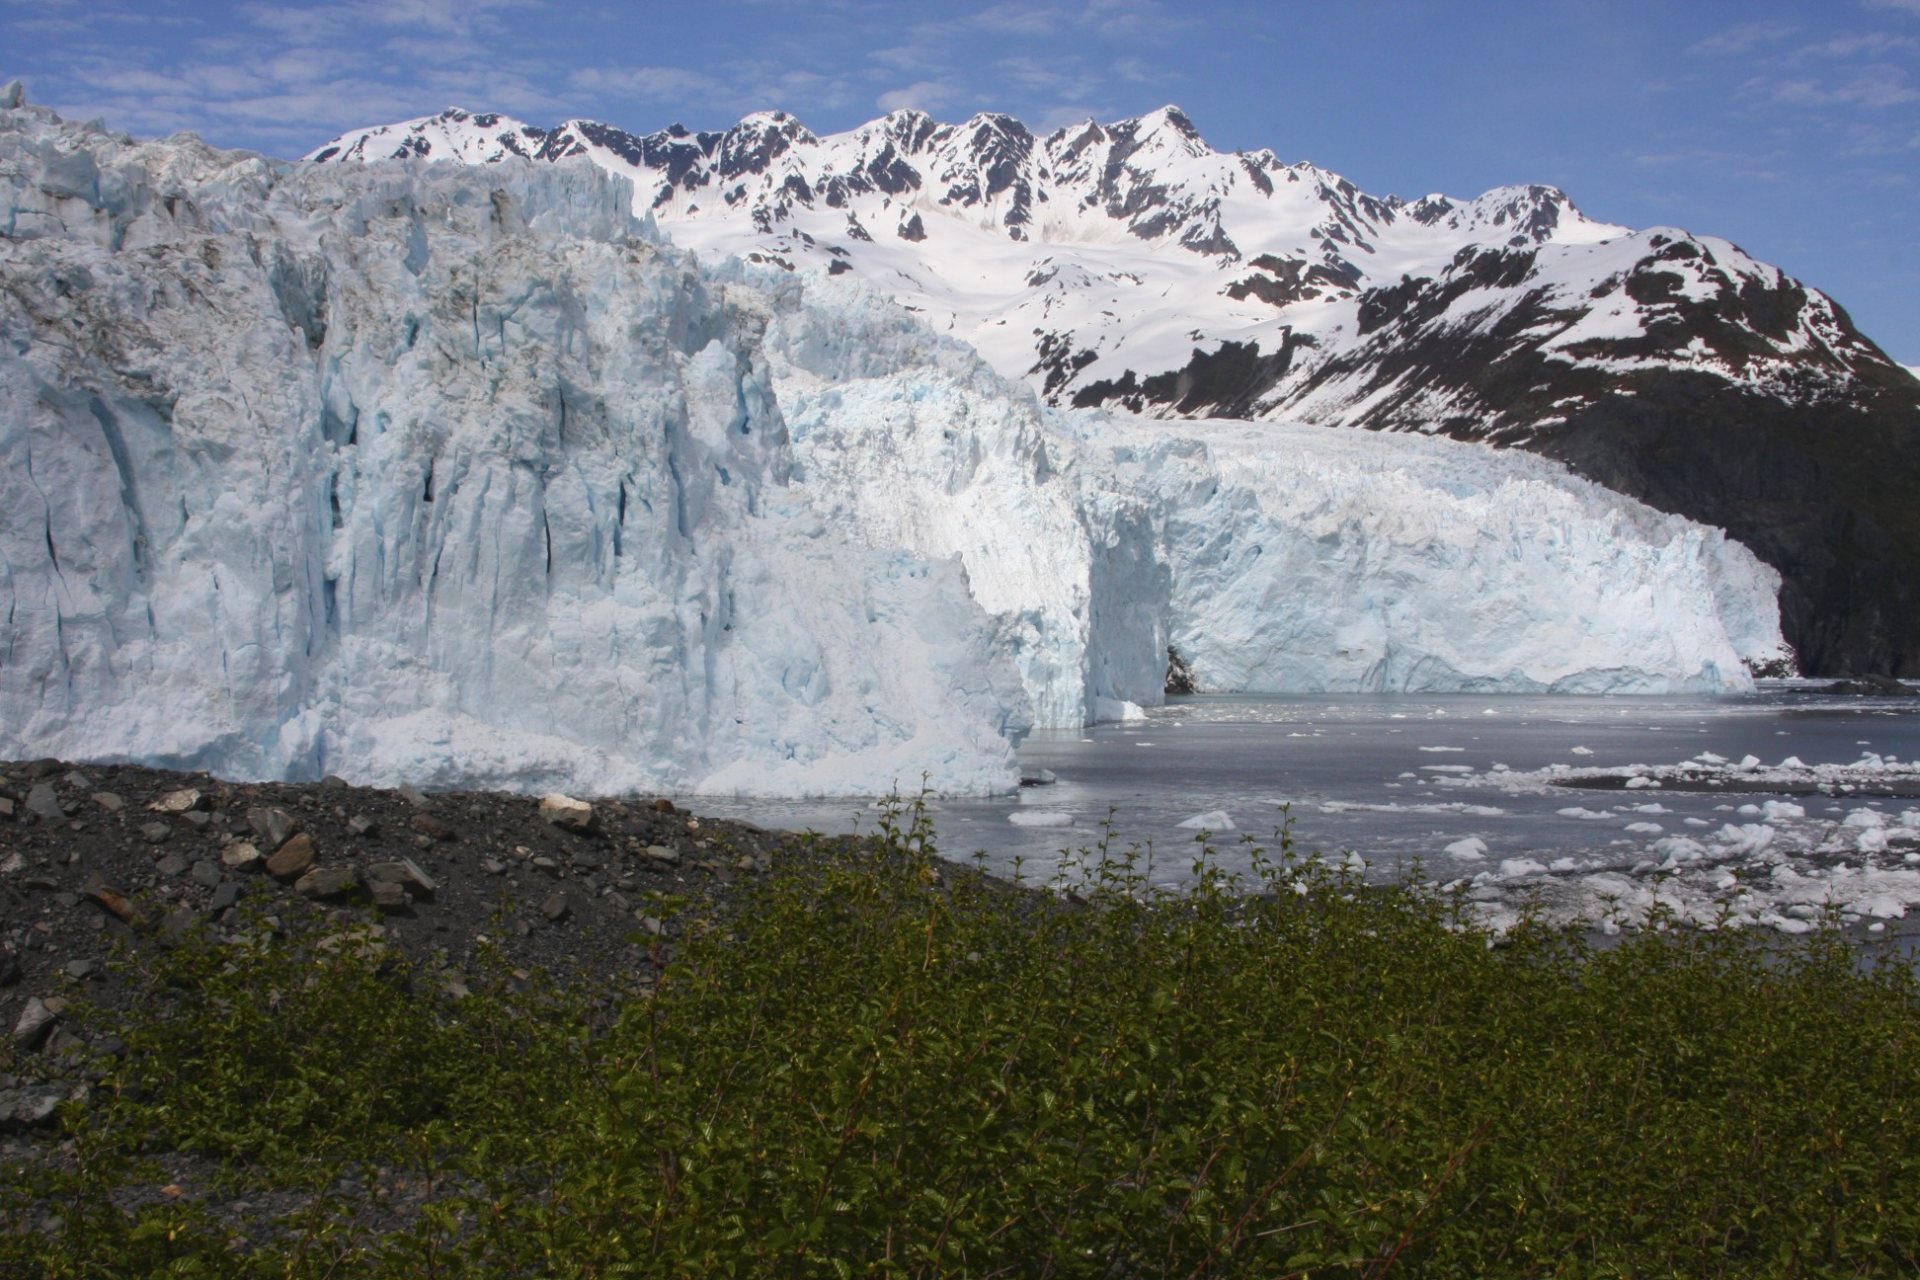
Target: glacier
x=457 y=476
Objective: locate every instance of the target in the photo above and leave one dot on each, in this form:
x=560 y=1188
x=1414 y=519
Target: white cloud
x=649 y=84
x=1744 y=38
x=1875 y=88
x=922 y=95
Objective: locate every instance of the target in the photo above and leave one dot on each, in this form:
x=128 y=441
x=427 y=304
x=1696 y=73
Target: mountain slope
x=1131 y=265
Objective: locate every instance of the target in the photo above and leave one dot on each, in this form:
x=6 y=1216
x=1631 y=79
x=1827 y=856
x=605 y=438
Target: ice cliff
x=432 y=475
x=460 y=476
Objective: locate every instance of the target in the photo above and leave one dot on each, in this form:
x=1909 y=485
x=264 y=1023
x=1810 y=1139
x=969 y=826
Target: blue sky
x=1790 y=128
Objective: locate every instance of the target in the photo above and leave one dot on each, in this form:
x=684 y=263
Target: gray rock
x=225 y=895
x=415 y=797
x=79 y=781
x=662 y=853
x=327 y=882
x=275 y=826
x=32 y=1108
x=556 y=906
x=492 y=866
x=43 y=803
x=34 y=1022
x=109 y=801
x=652 y=926
x=81 y=970
x=241 y=856
x=404 y=872
x=205 y=873
x=182 y=800
x=171 y=865
x=155 y=832
x=199 y=819
x=8 y=807
x=388 y=895
x=361 y=825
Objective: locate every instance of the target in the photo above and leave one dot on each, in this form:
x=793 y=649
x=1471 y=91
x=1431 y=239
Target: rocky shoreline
x=103 y=859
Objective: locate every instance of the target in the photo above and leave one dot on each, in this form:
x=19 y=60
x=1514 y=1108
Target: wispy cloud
x=922 y=95
x=1875 y=88
x=1744 y=38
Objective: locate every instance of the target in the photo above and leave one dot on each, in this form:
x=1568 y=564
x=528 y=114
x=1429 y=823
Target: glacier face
x=458 y=476
x=1305 y=559
x=428 y=476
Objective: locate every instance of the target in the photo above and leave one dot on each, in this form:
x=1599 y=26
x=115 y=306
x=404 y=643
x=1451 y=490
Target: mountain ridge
x=1130 y=265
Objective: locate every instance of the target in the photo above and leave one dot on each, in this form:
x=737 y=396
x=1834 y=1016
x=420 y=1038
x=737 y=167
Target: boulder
x=275 y=826
x=567 y=813
x=241 y=855
x=404 y=872
x=327 y=882
x=292 y=858
x=44 y=804
x=183 y=800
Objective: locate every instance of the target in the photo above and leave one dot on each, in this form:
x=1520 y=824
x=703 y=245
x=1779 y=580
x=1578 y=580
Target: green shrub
x=878 y=1064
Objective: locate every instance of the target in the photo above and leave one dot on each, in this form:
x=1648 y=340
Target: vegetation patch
x=872 y=1063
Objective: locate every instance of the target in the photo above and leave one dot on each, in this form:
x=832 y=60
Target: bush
x=878 y=1064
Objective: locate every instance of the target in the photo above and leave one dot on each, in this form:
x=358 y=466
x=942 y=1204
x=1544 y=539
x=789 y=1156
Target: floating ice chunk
x=1872 y=840
x=1447 y=768
x=1645 y=828
x=1439 y=749
x=1792 y=762
x=1039 y=818
x=1696 y=822
x=1865 y=818
x=1211 y=820
x=1747 y=838
x=1576 y=811
x=1678 y=851
x=1116 y=711
x=1708 y=757
x=1582 y=751
x=1562 y=865
x=1639 y=782
x=1775 y=809
x=1513 y=868
x=1651 y=808
x=1471 y=849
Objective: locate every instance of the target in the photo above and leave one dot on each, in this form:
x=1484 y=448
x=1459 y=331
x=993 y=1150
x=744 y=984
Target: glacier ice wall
x=458 y=476
x=911 y=441
x=433 y=474
x=1312 y=559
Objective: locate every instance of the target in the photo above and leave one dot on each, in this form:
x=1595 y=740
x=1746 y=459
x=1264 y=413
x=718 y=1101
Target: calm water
x=1398 y=777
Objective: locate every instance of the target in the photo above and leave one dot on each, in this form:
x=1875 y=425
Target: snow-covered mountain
x=461 y=476
x=1129 y=264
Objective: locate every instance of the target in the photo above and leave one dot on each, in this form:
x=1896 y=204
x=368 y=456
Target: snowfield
x=462 y=476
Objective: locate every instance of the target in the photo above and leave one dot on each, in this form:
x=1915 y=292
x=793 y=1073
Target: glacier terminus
x=466 y=475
